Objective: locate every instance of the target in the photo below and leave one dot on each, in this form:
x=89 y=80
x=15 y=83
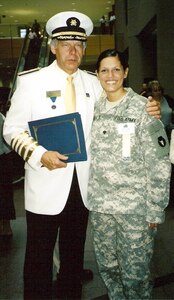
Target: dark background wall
x=145 y=29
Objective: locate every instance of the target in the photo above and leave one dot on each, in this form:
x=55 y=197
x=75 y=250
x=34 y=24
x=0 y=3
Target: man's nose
x=72 y=49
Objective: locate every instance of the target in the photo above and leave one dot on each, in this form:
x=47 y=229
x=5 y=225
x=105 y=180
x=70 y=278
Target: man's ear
x=126 y=72
x=53 y=50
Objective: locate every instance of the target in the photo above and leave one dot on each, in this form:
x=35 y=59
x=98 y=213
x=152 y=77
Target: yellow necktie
x=70 y=97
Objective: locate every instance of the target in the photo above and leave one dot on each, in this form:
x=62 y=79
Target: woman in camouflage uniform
x=129 y=182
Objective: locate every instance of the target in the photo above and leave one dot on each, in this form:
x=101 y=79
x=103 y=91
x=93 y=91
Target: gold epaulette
x=91 y=73
x=24 y=145
x=28 y=71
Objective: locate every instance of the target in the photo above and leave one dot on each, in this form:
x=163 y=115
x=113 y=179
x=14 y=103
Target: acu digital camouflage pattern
x=124 y=247
x=140 y=184
x=127 y=194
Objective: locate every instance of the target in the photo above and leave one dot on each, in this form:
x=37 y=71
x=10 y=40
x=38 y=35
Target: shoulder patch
x=28 y=71
x=159 y=138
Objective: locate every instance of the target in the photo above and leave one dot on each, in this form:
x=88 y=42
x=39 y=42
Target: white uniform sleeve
x=16 y=132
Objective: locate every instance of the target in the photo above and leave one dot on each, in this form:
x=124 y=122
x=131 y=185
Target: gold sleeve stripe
x=15 y=141
x=28 y=151
x=24 y=145
x=25 y=148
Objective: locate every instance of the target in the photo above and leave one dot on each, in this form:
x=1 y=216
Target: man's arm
x=153 y=108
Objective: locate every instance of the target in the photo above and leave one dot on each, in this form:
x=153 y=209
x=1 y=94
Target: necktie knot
x=70 y=79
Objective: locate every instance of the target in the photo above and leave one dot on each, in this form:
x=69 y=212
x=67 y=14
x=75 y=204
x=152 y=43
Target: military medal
x=53 y=97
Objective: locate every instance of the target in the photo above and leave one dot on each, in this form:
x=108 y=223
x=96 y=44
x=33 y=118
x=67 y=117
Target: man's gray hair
x=54 y=43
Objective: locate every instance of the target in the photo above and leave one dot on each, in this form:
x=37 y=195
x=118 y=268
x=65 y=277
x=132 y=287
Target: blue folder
x=63 y=134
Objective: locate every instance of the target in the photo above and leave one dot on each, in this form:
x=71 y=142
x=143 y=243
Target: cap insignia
x=73 y=22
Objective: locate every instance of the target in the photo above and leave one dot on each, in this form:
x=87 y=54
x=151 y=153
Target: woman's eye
x=104 y=71
x=117 y=70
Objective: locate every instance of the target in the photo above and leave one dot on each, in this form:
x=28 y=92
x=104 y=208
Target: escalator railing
x=34 y=54
x=20 y=64
x=44 y=52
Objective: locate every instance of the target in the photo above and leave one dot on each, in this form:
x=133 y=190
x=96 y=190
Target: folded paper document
x=63 y=134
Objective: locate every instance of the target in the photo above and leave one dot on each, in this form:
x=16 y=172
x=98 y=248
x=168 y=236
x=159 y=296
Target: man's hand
x=153 y=107
x=53 y=160
x=153 y=225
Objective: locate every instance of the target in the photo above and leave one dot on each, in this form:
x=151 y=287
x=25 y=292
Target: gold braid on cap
x=74 y=33
x=24 y=145
x=71 y=31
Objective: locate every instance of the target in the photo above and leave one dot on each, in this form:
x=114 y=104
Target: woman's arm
x=172 y=147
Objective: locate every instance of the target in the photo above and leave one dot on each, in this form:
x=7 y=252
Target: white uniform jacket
x=46 y=192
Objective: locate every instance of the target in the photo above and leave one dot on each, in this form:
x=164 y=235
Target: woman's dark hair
x=112 y=52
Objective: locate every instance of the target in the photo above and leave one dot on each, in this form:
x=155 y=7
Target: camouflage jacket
x=130 y=167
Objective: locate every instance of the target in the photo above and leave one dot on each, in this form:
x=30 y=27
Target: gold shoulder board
x=28 y=71
x=91 y=73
